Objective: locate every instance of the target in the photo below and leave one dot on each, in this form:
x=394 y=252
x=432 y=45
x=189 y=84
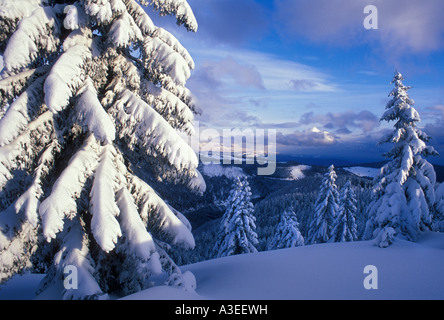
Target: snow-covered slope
x=405 y=270
x=363 y=171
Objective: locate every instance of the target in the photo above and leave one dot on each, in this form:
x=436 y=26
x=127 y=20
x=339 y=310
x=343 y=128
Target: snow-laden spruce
x=93 y=95
x=326 y=207
x=404 y=193
x=237 y=233
x=345 y=228
x=287 y=234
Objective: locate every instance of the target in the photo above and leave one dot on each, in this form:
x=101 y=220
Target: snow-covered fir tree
x=287 y=234
x=93 y=93
x=404 y=192
x=326 y=207
x=345 y=228
x=237 y=233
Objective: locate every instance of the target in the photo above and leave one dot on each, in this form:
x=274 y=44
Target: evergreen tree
x=345 y=228
x=287 y=234
x=404 y=193
x=237 y=233
x=326 y=207
x=92 y=92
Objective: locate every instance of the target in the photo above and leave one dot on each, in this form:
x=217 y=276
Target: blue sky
x=310 y=70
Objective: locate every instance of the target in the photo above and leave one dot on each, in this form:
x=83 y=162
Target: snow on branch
x=126 y=76
x=14 y=251
x=148 y=29
x=11 y=12
x=141 y=18
x=18 y=9
x=19 y=222
x=21 y=112
x=104 y=11
x=74 y=253
x=173 y=109
x=11 y=86
x=180 y=8
x=90 y=113
x=39 y=31
x=124 y=31
x=29 y=201
x=17 y=153
x=67 y=188
x=75 y=17
x=197 y=183
x=101 y=10
x=170 y=40
x=138 y=123
x=65 y=77
x=160 y=219
x=103 y=207
x=140 y=242
x=160 y=58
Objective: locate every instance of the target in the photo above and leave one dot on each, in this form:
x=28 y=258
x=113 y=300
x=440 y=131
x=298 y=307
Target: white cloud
x=227 y=70
x=280 y=74
x=307 y=138
x=276 y=73
x=229 y=84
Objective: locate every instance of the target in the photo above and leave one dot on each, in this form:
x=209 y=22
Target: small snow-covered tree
x=404 y=192
x=92 y=94
x=237 y=233
x=326 y=207
x=345 y=228
x=287 y=234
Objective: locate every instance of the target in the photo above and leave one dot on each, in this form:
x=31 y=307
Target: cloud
x=435 y=130
x=341 y=122
x=364 y=148
x=403 y=24
x=303 y=85
x=435 y=112
x=241 y=87
x=229 y=69
x=277 y=73
x=258 y=102
x=306 y=138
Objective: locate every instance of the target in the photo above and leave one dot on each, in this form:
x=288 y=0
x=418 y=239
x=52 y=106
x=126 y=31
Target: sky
x=310 y=70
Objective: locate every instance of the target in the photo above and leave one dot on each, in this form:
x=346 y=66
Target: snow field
x=405 y=270
x=364 y=171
